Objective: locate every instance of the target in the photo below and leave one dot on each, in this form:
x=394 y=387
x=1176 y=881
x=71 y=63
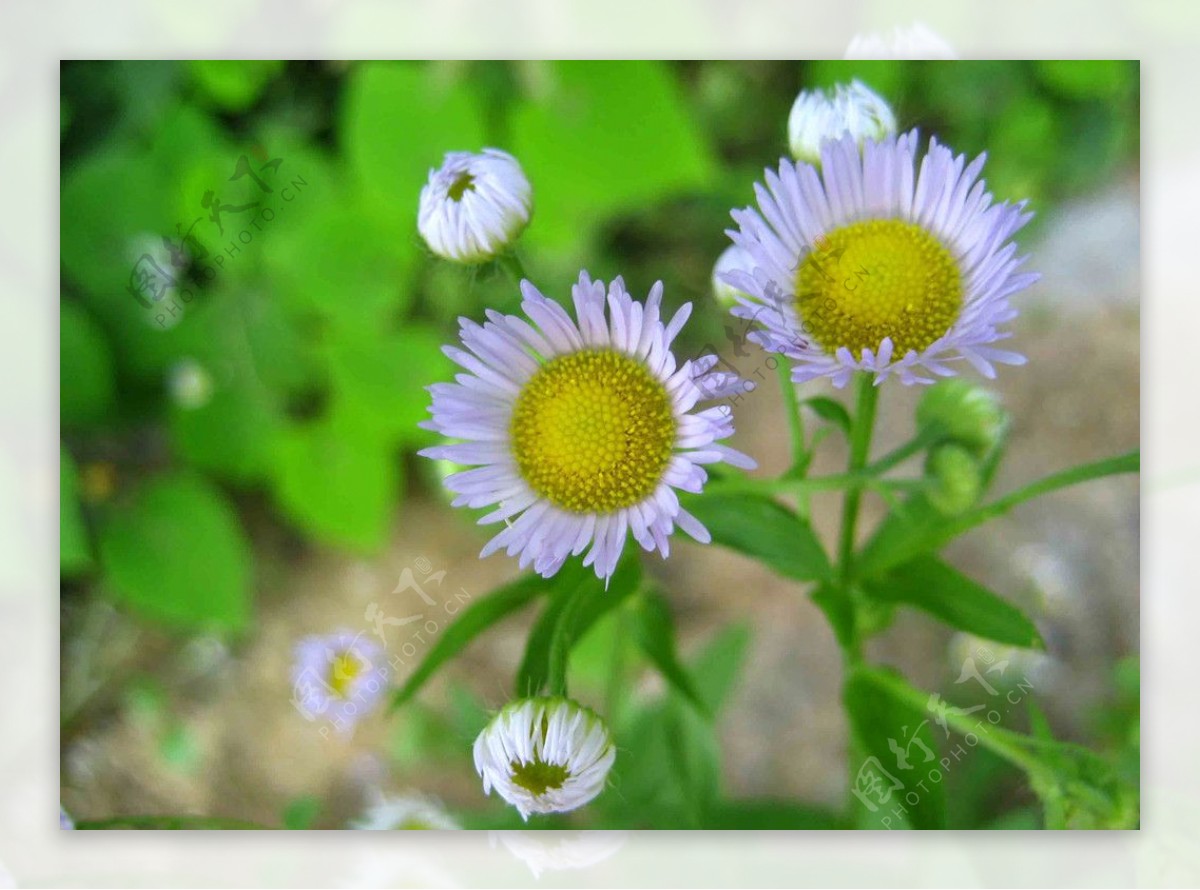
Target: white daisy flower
x=409 y=812
x=880 y=264
x=475 y=205
x=581 y=430
x=818 y=115
x=917 y=41
x=545 y=755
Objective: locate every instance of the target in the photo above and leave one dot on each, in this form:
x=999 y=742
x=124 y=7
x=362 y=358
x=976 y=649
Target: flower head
x=339 y=675
x=880 y=263
x=583 y=430
x=474 y=205
x=544 y=755
x=818 y=115
x=409 y=812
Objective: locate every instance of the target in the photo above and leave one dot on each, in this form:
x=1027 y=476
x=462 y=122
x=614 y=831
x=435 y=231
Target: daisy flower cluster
x=574 y=425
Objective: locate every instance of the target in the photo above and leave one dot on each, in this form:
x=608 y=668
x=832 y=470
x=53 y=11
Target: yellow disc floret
x=593 y=431
x=343 y=670
x=875 y=279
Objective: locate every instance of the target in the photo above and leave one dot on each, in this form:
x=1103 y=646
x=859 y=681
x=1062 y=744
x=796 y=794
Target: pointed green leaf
x=656 y=636
x=931 y=585
x=829 y=410
x=765 y=530
x=177 y=555
x=472 y=621
x=579 y=594
x=900 y=754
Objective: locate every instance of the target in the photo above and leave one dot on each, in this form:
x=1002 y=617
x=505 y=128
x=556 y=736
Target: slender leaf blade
x=764 y=529
x=931 y=585
x=901 y=754
x=472 y=621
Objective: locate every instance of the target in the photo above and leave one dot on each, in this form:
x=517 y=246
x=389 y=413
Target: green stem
x=943 y=532
x=903 y=453
x=860 y=447
x=834 y=482
x=560 y=648
x=511 y=263
x=800 y=456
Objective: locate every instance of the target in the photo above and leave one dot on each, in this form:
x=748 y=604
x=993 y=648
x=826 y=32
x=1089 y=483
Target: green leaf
x=384 y=378
x=233 y=84
x=829 y=410
x=339 y=261
x=74 y=547
x=899 y=747
x=233 y=434
x=472 y=621
x=716 y=668
x=604 y=137
x=656 y=636
x=87 y=389
x=672 y=739
x=922 y=529
x=338 y=480
x=762 y=528
x=580 y=596
x=931 y=585
x=177 y=555
x=398 y=121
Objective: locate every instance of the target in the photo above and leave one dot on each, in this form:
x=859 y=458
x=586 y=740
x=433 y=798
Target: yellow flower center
x=537 y=777
x=875 y=279
x=342 y=671
x=593 y=431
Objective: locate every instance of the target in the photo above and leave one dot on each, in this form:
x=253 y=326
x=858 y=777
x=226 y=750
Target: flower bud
x=545 y=755
x=963 y=412
x=474 y=206
x=955 y=479
x=819 y=115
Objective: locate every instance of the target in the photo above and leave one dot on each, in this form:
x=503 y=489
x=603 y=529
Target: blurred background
x=238 y=462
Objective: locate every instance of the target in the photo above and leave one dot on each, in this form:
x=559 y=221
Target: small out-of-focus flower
x=962 y=411
x=409 y=812
x=731 y=258
x=475 y=205
x=341 y=676
x=65 y=822
x=955 y=479
x=819 y=115
x=190 y=384
x=545 y=755
x=916 y=41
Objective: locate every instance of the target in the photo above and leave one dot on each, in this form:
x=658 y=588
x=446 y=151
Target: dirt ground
x=1072 y=558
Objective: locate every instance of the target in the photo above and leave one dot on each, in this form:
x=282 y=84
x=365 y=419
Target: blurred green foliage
x=307 y=318
x=308 y=315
